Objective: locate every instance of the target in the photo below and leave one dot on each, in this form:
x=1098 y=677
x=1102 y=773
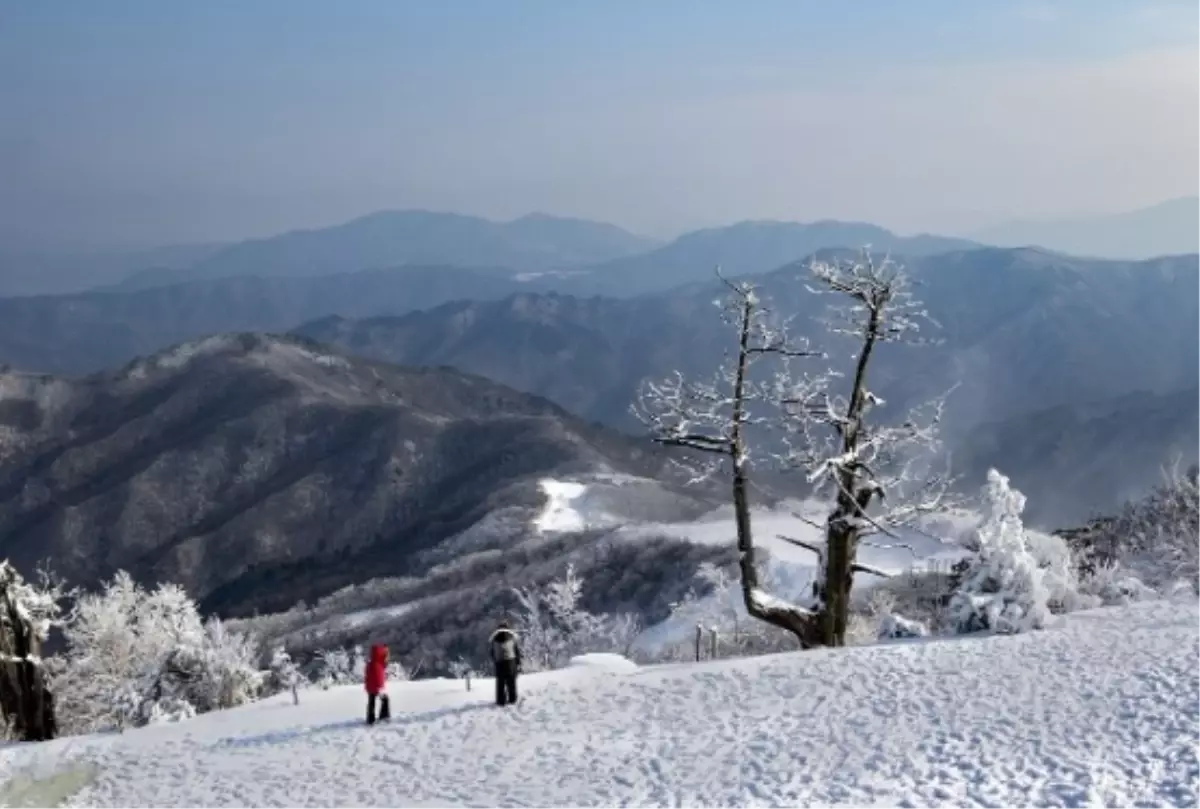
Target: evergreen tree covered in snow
x=1005 y=588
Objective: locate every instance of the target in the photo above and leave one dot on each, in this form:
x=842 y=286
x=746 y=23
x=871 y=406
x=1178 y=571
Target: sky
x=137 y=123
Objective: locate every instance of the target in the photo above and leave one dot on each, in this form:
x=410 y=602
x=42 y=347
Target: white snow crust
x=1098 y=709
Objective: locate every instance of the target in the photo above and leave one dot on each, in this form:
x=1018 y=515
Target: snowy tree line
x=132 y=656
x=447 y=617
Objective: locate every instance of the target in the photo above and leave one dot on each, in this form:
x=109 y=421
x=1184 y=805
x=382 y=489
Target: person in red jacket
x=375 y=681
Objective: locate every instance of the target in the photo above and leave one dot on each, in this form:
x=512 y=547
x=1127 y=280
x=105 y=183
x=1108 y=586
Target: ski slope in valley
x=1101 y=709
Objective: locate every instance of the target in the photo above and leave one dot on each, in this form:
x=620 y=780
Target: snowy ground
x=1099 y=710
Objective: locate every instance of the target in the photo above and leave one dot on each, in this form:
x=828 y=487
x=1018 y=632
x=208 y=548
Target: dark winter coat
x=375 y=677
x=504 y=647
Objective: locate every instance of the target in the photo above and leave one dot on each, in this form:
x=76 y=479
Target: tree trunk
x=842 y=532
x=26 y=701
x=839 y=558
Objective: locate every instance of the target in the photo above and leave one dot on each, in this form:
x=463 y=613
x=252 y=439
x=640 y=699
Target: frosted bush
x=893 y=626
x=1111 y=584
x=1005 y=588
x=334 y=667
x=134 y=656
x=554 y=627
x=168 y=709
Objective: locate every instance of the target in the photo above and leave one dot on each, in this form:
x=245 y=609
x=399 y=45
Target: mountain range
x=578 y=256
x=533 y=243
x=1023 y=331
x=440 y=369
x=1169 y=228
x=258 y=471
x=608 y=259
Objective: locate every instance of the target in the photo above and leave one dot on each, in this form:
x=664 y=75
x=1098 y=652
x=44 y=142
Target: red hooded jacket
x=375 y=677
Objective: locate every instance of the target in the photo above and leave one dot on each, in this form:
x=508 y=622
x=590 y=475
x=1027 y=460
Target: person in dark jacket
x=506 y=656
x=375 y=682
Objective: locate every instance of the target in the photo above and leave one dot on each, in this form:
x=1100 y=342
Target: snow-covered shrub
x=1152 y=540
x=135 y=656
x=1111 y=584
x=919 y=594
x=460 y=669
x=1018 y=577
x=283 y=674
x=395 y=672
x=229 y=675
x=334 y=667
x=553 y=627
x=893 y=626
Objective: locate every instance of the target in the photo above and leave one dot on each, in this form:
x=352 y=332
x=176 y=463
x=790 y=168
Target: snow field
x=1101 y=708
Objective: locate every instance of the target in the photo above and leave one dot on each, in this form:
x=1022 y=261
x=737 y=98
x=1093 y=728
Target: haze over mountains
x=533 y=243
x=624 y=263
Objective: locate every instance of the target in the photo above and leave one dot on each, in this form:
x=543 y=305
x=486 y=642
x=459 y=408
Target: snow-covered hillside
x=1100 y=709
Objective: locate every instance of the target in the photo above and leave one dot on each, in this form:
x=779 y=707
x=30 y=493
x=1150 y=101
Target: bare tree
x=711 y=419
x=829 y=436
x=878 y=476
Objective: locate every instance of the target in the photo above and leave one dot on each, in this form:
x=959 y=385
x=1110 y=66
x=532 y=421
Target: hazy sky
x=156 y=122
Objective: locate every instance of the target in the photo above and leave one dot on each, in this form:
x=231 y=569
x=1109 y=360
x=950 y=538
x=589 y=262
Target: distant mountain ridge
x=1168 y=228
x=1014 y=322
x=87 y=332
x=575 y=256
x=745 y=248
x=535 y=242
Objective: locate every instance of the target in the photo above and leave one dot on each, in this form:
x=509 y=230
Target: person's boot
x=385 y=708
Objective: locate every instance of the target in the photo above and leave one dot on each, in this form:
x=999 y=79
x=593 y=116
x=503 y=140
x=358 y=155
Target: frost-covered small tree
x=27 y=613
x=553 y=625
x=1004 y=590
x=333 y=668
x=396 y=672
x=460 y=669
x=284 y=674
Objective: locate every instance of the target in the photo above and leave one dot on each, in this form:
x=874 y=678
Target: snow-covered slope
x=1102 y=708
